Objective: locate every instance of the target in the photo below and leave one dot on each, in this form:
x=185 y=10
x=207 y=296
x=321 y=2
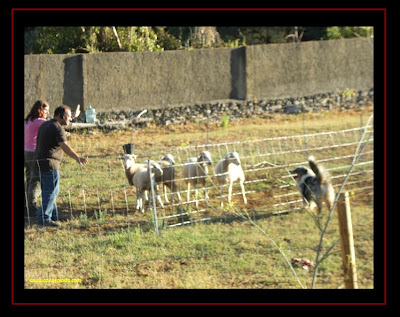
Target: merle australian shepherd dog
x=314 y=185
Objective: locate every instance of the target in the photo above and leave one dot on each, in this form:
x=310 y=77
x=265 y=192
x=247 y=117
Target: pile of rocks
x=257 y=108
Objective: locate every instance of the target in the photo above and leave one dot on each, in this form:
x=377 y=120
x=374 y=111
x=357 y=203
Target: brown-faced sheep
x=195 y=172
x=167 y=179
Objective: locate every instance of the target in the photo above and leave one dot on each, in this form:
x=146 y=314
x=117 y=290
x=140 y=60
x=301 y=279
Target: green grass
x=106 y=245
x=214 y=255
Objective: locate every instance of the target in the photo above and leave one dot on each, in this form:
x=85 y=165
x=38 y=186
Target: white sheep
x=195 y=172
x=167 y=179
x=139 y=176
x=142 y=182
x=227 y=171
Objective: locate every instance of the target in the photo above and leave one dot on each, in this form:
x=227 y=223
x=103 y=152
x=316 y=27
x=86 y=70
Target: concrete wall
x=303 y=69
x=150 y=79
x=44 y=79
x=132 y=81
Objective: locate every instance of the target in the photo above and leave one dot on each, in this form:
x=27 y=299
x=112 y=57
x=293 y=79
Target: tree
x=132 y=38
x=52 y=40
x=205 y=36
x=166 y=40
x=339 y=32
x=63 y=40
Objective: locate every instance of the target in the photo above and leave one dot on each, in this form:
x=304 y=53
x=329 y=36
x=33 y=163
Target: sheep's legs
x=145 y=199
x=179 y=196
x=175 y=190
x=206 y=197
x=165 y=194
x=243 y=193
x=222 y=194
x=137 y=203
x=138 y=199
x=195 y=193
x=173 y=196
x=230 y=192
x=158 y=198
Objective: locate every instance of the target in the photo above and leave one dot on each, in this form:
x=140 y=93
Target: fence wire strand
x=264 y=161
x=271 y=190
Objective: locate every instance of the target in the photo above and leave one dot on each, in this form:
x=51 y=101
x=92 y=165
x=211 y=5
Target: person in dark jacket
x=51 y=145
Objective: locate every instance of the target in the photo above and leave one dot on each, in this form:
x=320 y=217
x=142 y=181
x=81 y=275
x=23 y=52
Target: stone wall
x=236 y=109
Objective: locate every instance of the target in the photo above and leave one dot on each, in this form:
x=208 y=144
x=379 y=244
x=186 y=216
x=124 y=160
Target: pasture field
x=105 y=244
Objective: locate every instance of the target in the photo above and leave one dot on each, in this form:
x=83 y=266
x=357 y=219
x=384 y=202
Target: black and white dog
x=314 y=185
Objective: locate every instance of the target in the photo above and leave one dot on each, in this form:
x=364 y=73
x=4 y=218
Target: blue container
x=90 y=115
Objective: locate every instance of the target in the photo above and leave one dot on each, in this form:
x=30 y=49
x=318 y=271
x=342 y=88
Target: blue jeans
x=50 y=185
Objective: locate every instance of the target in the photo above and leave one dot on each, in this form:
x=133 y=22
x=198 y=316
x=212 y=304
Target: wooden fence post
x=347 y=242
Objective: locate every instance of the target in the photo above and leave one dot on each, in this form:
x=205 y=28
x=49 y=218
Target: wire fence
x=99 y=194
x=101 y=190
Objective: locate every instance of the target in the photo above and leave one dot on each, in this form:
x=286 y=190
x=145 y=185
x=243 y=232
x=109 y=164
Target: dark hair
x=35 y=111
x=60 y=110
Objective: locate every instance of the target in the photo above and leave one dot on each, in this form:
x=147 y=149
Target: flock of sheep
x=151 y=174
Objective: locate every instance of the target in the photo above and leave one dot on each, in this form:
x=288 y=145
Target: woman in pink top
x=33 y=121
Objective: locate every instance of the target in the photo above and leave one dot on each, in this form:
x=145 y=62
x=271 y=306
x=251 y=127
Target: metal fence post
x=153 y=197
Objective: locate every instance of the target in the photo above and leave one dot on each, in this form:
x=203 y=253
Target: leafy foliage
x=336 y=32
x=94 y=39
